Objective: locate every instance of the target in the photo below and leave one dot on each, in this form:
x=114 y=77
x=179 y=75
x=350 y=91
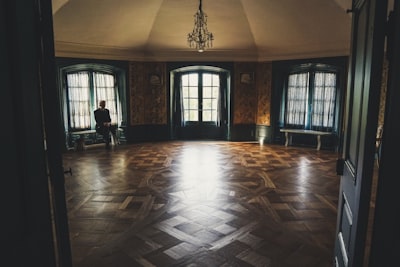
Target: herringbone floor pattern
x=204 y=203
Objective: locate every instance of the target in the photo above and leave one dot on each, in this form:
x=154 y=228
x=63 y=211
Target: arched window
x=84 y=88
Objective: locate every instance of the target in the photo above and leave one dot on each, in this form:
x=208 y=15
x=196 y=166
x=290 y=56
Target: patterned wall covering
x=263 y=87
x=252 y=98
x=148 y=93
x=244 y=93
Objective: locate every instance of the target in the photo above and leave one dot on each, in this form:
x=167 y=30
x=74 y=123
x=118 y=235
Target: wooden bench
x=290 y=132
x=80 y=143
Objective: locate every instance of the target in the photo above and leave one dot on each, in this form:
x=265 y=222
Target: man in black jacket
x=103 y=123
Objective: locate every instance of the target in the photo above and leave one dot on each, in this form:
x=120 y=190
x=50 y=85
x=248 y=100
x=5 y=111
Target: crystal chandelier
x=200 y=38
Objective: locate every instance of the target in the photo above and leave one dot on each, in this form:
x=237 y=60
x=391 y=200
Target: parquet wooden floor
x=201 y=203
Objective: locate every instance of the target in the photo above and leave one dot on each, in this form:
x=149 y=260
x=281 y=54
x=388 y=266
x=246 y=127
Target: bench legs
x=288 y=140
x=319 y=142
x=80 y=143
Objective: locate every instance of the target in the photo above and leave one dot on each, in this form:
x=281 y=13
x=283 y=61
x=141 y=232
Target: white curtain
x=324 y=99
x=79 y=100
x=297 y=99
x=80 y=94
x=104 y=89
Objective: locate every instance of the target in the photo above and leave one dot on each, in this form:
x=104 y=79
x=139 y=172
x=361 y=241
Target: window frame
x=68 y=65
x=311 y=69
x=93 y=101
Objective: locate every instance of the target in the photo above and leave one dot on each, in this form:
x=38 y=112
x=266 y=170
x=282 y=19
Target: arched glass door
x=200 y=103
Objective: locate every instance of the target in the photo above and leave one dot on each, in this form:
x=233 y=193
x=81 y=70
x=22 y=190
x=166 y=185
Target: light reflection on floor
x=200 y=174
x=304 y=172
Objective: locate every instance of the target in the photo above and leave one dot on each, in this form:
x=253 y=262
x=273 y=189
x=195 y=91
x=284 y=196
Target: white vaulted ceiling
x=244 y=30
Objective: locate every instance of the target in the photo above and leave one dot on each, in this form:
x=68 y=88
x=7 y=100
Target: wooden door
x=386 y=234
x=363 y=89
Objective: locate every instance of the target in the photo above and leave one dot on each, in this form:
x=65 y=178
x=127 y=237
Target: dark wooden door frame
x=386 y=229
x=36 y=216
x=53 y=129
